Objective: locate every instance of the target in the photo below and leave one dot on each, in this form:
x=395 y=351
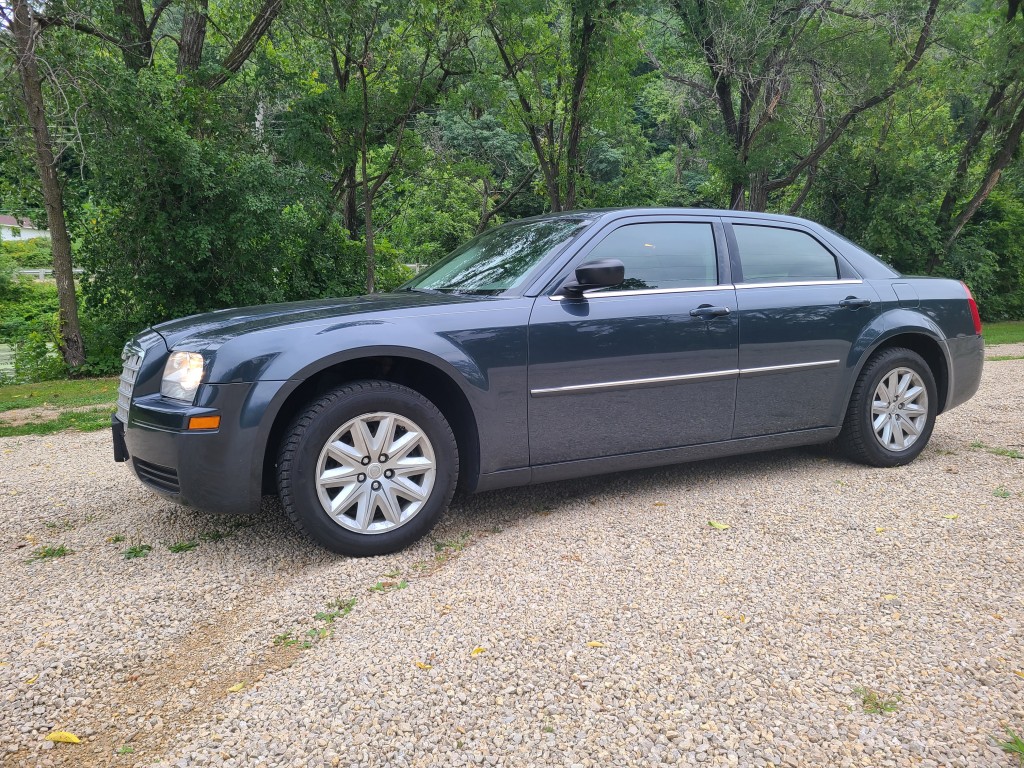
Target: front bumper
x=215 y=470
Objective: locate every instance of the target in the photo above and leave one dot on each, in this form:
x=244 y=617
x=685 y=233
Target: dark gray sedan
x=548 y=348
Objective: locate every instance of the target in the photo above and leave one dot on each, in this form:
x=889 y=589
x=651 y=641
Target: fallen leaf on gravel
x=64 y=737
x=1018 y=673
x=881 y=529
x=888 y=597
x=951 y=517
x=31 y=680
x=719 y=526
x=236 y=687
x=660 y=504
x=477 y=651
x=423 y=665
x=596 y=644
x=997 y=616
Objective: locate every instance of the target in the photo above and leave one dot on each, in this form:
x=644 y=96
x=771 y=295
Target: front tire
x=368 y=468
x=892 y=410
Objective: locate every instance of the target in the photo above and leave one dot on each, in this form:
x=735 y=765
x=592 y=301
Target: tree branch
x=815 y=154
x=244 y=47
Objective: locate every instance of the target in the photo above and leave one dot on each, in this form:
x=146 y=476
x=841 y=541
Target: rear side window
x=661 y=255
x=775 y=255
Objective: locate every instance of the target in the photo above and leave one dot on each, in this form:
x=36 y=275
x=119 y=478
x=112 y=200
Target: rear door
x=801 y=307
x=645 y=365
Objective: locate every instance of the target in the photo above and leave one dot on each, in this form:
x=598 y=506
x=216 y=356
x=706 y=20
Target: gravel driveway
x=598 y=622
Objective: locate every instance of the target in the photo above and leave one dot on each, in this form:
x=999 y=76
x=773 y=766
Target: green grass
x=182 y=546
x=1000 y=358
x=1014 y=745
x=1010 y=453
x=389 y=586
x=1010 y=332
x=335 y=609
x=875 y=703
x=1002 y=493
x=60 y=394
x=139 y=550
x=83 y=421
x=48 y=553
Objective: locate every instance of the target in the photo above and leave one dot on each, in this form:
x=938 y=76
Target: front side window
x=776 y=255
x=661 y=255
x=499 y=259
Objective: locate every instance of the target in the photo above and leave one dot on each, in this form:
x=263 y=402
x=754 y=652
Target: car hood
x=211 y=329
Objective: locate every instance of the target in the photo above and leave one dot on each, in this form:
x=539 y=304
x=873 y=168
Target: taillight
x=974 y=309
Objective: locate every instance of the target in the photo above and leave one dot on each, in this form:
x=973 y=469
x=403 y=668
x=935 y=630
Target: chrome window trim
x=626 y=383
x=722 y=287
x=798 y=283
x=643 y=292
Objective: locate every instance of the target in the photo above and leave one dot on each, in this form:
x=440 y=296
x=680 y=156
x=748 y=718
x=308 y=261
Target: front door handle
x=852 y=302
x=706 y=310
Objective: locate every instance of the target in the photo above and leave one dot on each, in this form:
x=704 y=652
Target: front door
x=645 y=365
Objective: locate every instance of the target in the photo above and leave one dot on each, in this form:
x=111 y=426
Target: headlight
x=182 y=376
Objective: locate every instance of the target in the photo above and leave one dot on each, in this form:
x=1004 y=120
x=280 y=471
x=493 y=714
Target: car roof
x=610 y=214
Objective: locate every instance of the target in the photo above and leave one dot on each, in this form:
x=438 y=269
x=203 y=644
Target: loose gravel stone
x=597 y=622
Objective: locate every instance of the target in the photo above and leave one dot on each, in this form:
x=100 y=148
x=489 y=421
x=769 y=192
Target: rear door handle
x=706 y=310
x=852 y=302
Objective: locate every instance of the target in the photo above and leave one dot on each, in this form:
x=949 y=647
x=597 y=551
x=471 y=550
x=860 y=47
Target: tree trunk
x=349 y=203
x=24 y=30
x=579 y=87
x=757 y=196
x=193 y=36
x=136 y=36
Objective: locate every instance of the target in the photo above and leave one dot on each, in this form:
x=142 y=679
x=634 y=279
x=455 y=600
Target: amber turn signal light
x=204 y=422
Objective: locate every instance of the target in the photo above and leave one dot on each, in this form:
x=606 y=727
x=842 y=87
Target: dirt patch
x=42 y=413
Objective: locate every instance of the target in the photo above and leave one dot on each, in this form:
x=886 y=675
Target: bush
x=27 y=254
x=36 y=358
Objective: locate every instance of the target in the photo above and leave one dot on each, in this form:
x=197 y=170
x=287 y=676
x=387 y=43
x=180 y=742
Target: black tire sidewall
x=301 y=500
x=880 y=367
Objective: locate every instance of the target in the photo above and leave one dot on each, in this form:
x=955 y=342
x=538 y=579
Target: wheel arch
x=923 y=340
x=425 y=377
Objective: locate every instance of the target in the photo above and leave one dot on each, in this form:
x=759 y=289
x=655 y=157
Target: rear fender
x=886 y=330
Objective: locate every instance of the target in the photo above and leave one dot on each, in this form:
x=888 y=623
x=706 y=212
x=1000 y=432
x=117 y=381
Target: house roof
x=10 y=221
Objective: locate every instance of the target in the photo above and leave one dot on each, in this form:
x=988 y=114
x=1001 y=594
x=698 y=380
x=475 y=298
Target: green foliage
x=137 y=551
x=50 y=552
x=1014 y=745
x=34 y=252
x=183 y=198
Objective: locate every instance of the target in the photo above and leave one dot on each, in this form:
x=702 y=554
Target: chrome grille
x=132 y=359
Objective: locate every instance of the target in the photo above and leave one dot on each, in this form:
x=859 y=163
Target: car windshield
x=498 y=260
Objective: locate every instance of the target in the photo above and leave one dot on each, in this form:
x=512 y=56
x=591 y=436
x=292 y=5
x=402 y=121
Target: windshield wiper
x=421 y=290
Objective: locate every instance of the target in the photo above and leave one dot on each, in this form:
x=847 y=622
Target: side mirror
x=603 y=273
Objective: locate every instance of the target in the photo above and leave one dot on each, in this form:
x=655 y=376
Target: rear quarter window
x=778 y=255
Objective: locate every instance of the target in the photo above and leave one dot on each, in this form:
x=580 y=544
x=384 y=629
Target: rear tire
x=892 y=410
x=368 y=468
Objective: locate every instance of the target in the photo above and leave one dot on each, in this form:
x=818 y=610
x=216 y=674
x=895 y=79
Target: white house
x=12 y=228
